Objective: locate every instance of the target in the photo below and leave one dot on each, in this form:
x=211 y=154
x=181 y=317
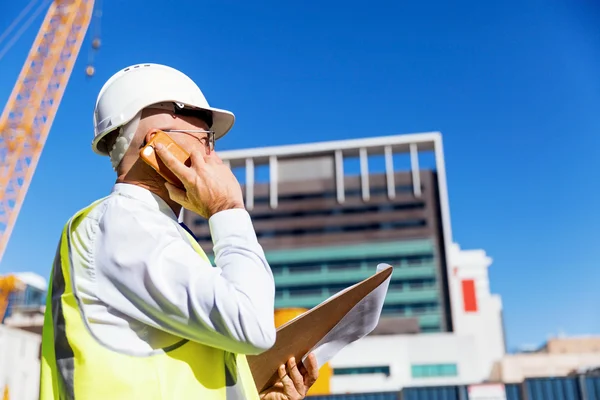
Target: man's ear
x=149 y=135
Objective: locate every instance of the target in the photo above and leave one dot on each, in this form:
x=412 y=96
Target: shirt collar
x=145 y=196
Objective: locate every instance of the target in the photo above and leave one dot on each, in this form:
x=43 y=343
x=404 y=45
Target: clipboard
x=300 y=335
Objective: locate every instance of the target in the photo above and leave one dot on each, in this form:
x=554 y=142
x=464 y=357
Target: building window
x=344 y=265
x=304 y=268
x=307 y=291
x=434 y=370
x=362 y=371
x=430 y=329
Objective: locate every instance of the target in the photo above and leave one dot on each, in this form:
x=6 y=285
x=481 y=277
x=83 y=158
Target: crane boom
x=29 y=113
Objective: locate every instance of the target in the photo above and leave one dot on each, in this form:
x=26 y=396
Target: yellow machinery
x=322 y=385
x=30 y=111
x=8 y=284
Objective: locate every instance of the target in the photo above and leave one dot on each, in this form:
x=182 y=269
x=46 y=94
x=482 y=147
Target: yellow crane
x=30 y=110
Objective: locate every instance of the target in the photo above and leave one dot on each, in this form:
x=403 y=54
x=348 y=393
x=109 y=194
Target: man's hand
x=294 y=380
x=210 y=186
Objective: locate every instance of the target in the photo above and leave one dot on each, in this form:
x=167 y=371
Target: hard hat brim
x=223 y=121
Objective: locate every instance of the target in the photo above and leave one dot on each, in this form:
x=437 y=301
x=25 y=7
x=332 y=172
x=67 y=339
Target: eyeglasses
x=208 y=141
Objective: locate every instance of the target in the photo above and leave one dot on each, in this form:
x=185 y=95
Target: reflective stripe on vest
x=77 y=365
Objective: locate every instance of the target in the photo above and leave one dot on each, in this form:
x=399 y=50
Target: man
x=135 y=309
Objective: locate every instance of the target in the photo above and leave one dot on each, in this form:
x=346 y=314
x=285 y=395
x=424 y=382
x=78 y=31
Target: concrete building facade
x=325 y=228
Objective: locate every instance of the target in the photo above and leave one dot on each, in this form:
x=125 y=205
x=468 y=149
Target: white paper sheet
x=361 y=320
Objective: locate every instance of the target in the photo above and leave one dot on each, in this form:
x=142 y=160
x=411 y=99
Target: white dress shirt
x=143 y=287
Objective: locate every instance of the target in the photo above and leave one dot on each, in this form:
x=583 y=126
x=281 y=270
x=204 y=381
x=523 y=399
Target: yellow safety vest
x=75 y=365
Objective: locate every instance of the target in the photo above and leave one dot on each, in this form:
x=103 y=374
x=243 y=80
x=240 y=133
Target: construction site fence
x=562 y=388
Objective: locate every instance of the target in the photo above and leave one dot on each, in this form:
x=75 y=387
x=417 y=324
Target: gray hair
x=124 y=138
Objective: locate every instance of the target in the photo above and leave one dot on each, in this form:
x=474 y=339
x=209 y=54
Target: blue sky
x=513 y=86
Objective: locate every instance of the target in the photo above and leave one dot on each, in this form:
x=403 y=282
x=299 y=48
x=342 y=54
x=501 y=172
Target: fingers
x=281 y=371
x=294 y=373
x=216 y=157
x=302 y=369
x=288 y=384
x=178 y=168
x=295 y=379
x=197 y=158
x=312 y=370
x=212 y=158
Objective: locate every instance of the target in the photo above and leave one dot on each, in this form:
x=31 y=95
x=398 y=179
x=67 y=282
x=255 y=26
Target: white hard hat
x=134 y=88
